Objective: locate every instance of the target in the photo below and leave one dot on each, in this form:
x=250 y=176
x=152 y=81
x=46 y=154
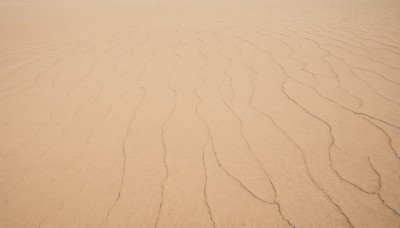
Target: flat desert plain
x=200 y=113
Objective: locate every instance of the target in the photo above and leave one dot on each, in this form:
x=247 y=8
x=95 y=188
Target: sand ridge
x=200 y=113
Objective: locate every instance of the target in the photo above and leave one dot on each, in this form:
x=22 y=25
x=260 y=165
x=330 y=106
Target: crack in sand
x=205 y=188
x=110 y=108
x=303 y=156
x=294 y=143
x=354 y=112
x=250 y=148
x=212 y=141
x=163 y=140
x=126 y=136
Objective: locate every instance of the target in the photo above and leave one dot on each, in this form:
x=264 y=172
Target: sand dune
x=192 y=113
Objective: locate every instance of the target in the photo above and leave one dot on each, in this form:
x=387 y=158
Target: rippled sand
x=192 y=113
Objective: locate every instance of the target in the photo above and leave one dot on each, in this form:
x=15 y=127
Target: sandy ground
x=189 y=113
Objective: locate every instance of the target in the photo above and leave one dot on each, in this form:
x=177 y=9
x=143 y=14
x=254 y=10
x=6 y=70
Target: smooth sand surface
x=192 y=113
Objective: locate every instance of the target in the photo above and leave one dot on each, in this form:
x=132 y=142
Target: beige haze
x=199 y=113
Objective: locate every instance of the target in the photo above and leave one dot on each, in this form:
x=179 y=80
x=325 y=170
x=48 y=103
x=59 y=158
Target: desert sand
x=200 y=113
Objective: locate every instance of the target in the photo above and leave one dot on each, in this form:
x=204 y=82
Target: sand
x=189 y=113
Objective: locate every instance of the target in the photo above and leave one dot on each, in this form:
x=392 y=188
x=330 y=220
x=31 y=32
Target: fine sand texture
x=199 y=113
